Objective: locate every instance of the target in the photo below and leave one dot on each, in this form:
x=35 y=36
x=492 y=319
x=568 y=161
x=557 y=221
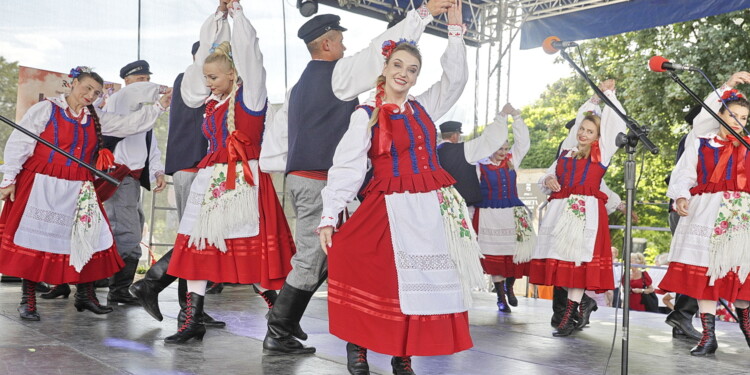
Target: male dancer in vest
x=138 y=161
x=459 y=159
x=186 y=147
x=309 y=126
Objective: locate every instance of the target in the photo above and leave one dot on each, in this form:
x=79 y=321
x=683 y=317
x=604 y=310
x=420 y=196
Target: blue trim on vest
x=586 y=170
x=489 y=181
x=417 y=111
x=211 y=126
x=85 y=141
x=73 y=144
x=565 y=170
x=224 y=129
x=412 y=154
x=55 y=125
x=702 y=162
x=240 y=98
x=572 y=174
x=729 y=168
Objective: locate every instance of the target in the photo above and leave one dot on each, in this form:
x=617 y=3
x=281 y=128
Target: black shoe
x=356 y=360
x=502 y=305
x=559 y=303
x=509 y=292
x=402 y=366
x=27 y=308
x=743 y=318
x=59 y=290
x=85 y=299
x=182 y=293
x=193 y=326
x=585 y=308
x=210 y=322
x=678 y=333
x=123 y=298
x=568 y=323
x=214 y=288
x=42 y=287
x=708 y=343
x=283 y=322
x=120 y=283
x=147 y=290
x=676 y=320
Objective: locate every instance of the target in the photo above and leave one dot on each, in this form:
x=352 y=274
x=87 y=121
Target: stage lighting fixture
x=307 y=7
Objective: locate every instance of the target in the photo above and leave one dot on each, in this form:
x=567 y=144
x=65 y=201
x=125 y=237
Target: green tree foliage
x=718 y=44
x=8 y=94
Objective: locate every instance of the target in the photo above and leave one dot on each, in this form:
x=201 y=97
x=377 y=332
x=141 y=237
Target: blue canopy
x=622 y=17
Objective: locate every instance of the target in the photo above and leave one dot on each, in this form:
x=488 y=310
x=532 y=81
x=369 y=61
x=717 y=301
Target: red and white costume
x=249 y=239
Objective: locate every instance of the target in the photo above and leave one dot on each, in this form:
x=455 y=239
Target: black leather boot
x=42 y=287
x=586 y=307
x=743 y=317
x=681 y=318
x=27 y=308
x=86 y=300
x=402 y=366
x=708 y=343
x=121 y=281
x=214 y=288
x=568 y=322
x=502 y=305
x=147 y=290
x=208 y=321
x=559 y=302
x=283 y=322
x=59 y=290
x=269 y=296
x=356 y=360
x=193 y=326
x=510 y=294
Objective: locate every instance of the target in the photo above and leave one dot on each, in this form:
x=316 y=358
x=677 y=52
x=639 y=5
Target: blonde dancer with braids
x=53 y=226
x=233 y=229
x=402 y=268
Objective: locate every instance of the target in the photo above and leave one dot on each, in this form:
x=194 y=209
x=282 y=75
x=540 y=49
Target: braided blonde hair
x=222 y=54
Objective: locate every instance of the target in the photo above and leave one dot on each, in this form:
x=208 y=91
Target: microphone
x=553 y=44
x=660 y=64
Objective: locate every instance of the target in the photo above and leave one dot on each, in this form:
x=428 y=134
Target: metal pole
x=501 y=30
x=139 y=30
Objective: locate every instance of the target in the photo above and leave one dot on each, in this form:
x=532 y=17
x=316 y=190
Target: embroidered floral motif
x=450 y=207
x=524 y=231
x=734 y=214
x=87 y=206
x=577 y=206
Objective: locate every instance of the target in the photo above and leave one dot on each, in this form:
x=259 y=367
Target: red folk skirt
x=265 y=258
x=37 y=265
x=363 y=301
x=595 y=275
x=502 y=265
x=692 y=280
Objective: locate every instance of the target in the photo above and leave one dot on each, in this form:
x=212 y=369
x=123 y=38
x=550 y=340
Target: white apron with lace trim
x=550 y=246
x=47 y=222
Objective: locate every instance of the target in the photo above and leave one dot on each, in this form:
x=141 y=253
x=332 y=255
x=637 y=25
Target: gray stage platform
x=129 y=341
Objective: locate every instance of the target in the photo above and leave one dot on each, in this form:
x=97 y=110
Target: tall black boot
x=193 y=326
x=587 y=306
x=708 y=343
x=559 y=302
x=86 y=299
x=59 y=290
x=502 y=305
x=208 y=321
x=402 y=366
x=568 y=322
x=42 y=287
x=509 y=292
x=284 y=321
x=121 y=281
x=743 y=318
x=269 y=296
x=681 y=318
x=147 y=290
x=356 y=360
x=27 y=308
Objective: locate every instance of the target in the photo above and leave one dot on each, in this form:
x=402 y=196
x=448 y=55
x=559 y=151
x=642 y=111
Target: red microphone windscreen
x=547 y=45
x=655 y=64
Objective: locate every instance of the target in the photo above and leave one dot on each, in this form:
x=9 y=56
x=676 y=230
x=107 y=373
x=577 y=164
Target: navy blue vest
x=186 y=145
x=453 y=160
x=317 y=119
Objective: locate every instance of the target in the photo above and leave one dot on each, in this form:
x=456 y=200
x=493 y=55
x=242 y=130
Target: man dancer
x=315 y=116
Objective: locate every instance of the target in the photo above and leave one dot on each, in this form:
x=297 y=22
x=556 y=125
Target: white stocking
x=197 y=286
x=707 y=306
x=575 y=294
x=498 y=278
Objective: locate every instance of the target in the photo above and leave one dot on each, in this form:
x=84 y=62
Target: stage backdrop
x=36 y=84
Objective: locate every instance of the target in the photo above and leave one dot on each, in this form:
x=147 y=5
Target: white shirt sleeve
x=491 y=139
x=356 y=74
x=611 y=125
x=214 y=31
x=685 y=173
x=137 y=122
x=705 y=124
x=19 y=146
x=521 y=141
x=275 y=144
x=572 y=139
x=439 y=98
x=613 y=199
x=550 y=172
x=248 y=60
x=132 y=97
x=349 y=168
x=156 y=168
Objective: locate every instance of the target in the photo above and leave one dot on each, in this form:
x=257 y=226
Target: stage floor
x=129 y=341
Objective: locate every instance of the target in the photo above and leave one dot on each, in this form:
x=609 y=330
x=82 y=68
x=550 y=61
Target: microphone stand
x=707 y=109
x=82 y=163
x=629 y=141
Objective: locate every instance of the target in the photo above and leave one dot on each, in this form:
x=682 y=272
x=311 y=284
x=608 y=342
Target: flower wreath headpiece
x=731 y=95
x=389 y=46
x=75 y=72
x=591 y=113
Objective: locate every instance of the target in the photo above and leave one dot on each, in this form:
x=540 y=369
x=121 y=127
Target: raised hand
x=738 y=78
x=508 y=109
x=607 y=85
x=438 y=7
x=454 y=14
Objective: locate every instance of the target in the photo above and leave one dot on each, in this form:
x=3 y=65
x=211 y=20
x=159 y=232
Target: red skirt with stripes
x=502 y=265
x=692 y=280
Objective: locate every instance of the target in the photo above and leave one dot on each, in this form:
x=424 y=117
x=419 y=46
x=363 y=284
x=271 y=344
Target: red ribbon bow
x=105 y=160
x=236 y=146
x=384 y=122
x=727 y=151
x=596 y=152
x=504 y=163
